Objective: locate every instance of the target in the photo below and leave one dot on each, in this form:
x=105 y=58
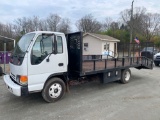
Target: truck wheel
x=53 y=90
x=125 y=76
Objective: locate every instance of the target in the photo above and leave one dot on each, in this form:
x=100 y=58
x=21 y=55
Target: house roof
x=102 y=37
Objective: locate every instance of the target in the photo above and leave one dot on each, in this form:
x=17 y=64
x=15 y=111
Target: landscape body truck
x=46 y=62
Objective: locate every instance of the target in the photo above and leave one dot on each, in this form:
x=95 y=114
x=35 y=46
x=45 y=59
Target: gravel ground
x=137 y=100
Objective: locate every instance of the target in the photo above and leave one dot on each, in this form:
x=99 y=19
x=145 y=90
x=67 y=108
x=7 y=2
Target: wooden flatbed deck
x=95 y=65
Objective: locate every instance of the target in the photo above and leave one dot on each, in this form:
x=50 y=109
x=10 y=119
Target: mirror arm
x=47 y=60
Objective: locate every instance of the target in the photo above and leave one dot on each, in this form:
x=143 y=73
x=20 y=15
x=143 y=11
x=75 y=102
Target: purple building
x=2 y=56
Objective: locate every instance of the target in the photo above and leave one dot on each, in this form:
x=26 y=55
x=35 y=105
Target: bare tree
x=88 y=24
x=150 y=23
x=65 y=26
x=36 y=22
x=6 y=30
x=125 y=16
x=22 y=24
x=115 y=25
x=53 y=21
x=157 y=31
x=137 y=16
x=107 y=23
x=43 y=25
x=144 y=23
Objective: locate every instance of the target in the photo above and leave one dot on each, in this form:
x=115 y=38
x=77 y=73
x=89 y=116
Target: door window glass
x=59 y=44
x=42 y=47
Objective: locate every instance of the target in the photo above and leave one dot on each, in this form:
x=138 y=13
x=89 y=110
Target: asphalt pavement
x=137 y=100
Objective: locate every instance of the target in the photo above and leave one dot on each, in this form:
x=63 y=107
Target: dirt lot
x=137 y=100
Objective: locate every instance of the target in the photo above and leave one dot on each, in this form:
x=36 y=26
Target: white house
x=97 y=44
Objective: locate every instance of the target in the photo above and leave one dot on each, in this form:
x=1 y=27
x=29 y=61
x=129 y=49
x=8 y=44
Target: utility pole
x=131 y=29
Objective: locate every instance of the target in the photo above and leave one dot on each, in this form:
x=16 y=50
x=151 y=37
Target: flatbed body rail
x=128 y=55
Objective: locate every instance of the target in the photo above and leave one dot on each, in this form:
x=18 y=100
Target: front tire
x=125 y=76
x=53 y=90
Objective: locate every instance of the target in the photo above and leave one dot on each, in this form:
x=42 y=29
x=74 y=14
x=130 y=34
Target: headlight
x=155 y=56
x=22 y=79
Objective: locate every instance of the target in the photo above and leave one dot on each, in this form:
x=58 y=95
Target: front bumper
x=15 y=88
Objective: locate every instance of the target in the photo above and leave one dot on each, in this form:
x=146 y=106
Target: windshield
x=23 y=44
x=20 y=49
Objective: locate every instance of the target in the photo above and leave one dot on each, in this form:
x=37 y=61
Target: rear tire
x=53 y=90
x=125 y=76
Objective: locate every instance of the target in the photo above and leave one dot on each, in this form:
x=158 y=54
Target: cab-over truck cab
x=38 y=63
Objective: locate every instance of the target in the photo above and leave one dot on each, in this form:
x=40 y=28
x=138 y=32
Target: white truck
x=46 y=62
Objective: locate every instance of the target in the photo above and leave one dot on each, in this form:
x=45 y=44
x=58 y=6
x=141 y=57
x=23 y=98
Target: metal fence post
x=4 y=57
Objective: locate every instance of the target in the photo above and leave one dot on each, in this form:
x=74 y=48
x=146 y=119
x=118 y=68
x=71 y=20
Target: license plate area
x=10 y=89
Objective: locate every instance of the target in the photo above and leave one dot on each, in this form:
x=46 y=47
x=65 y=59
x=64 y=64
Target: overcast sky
x=72 y=9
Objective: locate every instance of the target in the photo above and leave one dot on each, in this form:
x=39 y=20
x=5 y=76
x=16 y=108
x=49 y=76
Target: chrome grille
x=13 y=76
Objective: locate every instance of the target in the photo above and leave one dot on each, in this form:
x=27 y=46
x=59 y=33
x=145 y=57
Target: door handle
x=60 y=64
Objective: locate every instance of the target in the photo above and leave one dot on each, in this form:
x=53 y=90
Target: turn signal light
x=23 y=79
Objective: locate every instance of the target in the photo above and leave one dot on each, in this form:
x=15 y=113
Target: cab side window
x=59 y=44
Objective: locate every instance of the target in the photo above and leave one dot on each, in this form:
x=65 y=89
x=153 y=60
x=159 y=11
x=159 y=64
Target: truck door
x=43 y=61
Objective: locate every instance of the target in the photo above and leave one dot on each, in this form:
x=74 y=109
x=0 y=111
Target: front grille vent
x=13 y=76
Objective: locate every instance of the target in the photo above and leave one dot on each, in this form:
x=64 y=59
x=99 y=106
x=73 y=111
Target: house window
x=85 y=46
x=106 y=46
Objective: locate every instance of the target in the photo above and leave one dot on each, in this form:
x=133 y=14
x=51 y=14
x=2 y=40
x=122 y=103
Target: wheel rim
x=55 y=90
x=127 y=76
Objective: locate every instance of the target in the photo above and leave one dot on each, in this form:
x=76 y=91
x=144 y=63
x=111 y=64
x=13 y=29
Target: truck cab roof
x=39 y=32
